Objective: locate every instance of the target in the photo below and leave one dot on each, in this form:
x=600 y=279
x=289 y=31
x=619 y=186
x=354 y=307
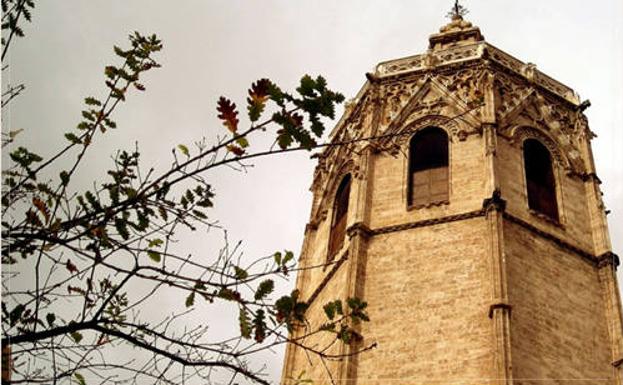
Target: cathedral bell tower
x=465 y=209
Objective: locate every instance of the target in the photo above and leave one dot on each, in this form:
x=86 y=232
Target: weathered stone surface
x=462 y=292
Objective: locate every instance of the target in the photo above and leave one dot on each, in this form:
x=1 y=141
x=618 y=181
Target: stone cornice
x=597 y=261
x=478 y=51
x=493 y=203
x=427 y=222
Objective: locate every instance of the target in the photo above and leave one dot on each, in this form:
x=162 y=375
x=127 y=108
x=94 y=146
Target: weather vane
x=458 y=11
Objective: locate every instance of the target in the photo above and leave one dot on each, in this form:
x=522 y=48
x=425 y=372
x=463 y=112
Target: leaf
x=64 y=177
x=258 y=94
x=14 y=133
x=228 y=114
x=71 y=267
x=190 y=300
x=259 y=326
x=265 y=288
x=235 y=150
x=229 y=295
x=240 y=273
x=242 y=142
x=122 y=228
x=73 y=138
x=16 y=314
x=245 y=325
x=92 y=101
x=183 y=149
x=110 y=72
x=288 y=257
x=42 y=207
x=333 y=308
x=163 y=213
x=157 y=242
x=80 y=378
x=51 y=318
x=154 y=256
x=277 y=258
x=76 y=336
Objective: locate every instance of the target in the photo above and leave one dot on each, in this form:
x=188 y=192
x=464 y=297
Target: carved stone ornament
x=433 y=104
x=561 y=152
x=525 y=113
x=324 y=194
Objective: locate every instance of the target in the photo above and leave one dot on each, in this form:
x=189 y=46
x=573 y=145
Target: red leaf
x=42 y=207
x=296 y=119
x=71 y=267
x=258 y=93
x=227 y=113
x=235 y=149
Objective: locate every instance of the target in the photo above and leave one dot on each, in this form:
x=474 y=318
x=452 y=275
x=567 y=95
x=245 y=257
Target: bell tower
x=461 y=202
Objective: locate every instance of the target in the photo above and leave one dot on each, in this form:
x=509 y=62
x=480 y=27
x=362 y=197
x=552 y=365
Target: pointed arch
x=339 y=217
x=428 y=177
x=540 y=180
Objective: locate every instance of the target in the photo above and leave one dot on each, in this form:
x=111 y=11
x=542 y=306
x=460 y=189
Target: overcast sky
x=214 y=48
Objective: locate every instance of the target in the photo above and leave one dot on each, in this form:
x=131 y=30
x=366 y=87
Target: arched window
x=338 y=223
x=540 y=178
x=428 y=167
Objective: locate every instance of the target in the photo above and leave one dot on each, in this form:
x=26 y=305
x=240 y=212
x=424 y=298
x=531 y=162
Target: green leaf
x=265 y=288
x=157 y=242
x=122 y=228
x=110 y=72
x=242 y=142
x=72 y=138
x=16 y=314
x=190 y=300
x=80 y=378
x=277 y=258
x=259 y=326
x=329 y=310
x=184 y=149
x=154 y=256
x=245 y=325
x=288 y=257
x=240 y=273
x=200 y=214
x=92 y=101
x=229 y=295
x=76 y=336
x=64 y=175
x=50 y=317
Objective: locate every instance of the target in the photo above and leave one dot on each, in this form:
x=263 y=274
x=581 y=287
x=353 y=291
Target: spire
x=457 y=32
x=457 y=12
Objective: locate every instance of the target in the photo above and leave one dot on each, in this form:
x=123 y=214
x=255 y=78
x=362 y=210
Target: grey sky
x=214 y=48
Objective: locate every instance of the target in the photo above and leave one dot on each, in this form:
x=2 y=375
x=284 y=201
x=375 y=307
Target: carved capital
x=495 y=202
x=359 y=229
x=608 y=258
x=499 y=305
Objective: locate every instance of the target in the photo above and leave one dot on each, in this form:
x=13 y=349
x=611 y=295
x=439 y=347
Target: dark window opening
x=340 y=211
x=540 y=178
x=428 y=167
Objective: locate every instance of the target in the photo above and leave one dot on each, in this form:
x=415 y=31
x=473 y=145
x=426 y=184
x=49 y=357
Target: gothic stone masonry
x=479 y=288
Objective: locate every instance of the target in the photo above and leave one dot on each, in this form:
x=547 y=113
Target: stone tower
x=464 y=207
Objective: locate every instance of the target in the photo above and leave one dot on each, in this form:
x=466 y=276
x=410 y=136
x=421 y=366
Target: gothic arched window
x=540 y=178
x=428 y=167
x=340 y=211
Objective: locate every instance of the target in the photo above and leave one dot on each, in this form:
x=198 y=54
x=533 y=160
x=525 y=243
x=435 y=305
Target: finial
x=457 y=12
